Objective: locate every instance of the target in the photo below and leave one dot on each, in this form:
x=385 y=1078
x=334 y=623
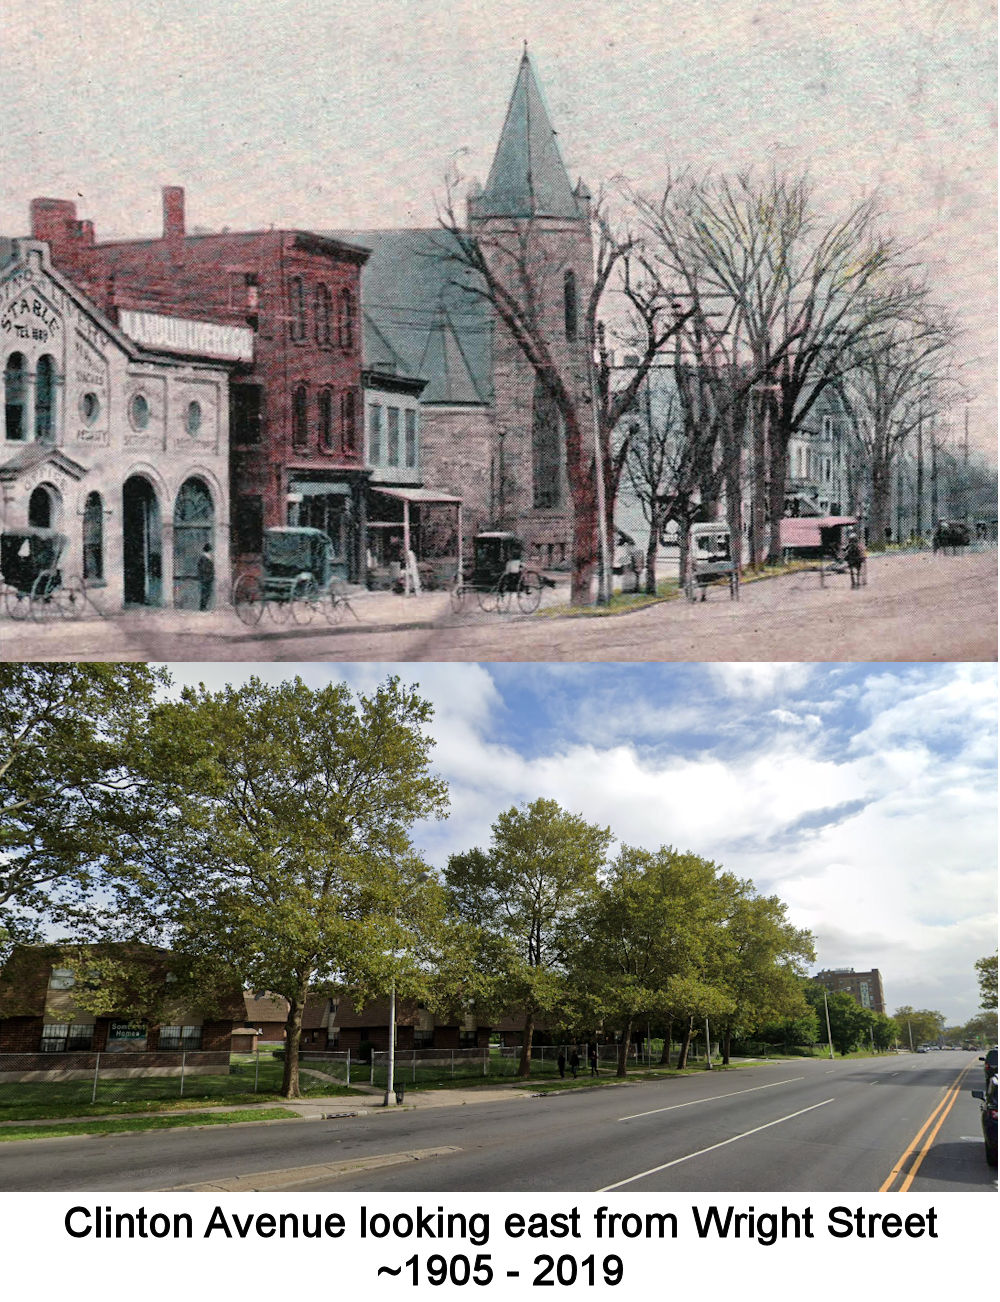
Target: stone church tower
x=534 y=229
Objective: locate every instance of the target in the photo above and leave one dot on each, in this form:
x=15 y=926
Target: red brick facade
x=296 y=424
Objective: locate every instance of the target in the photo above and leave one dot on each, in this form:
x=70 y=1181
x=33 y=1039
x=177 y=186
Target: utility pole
x=920 y=472
x=829 y=1035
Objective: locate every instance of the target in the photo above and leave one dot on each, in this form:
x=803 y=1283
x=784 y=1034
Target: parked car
x=989 y=1062
x=988 y=1099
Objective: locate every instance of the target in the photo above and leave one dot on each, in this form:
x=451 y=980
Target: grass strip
x=142 y=1123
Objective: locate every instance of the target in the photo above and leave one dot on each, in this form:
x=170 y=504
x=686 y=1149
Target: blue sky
x=863 y=795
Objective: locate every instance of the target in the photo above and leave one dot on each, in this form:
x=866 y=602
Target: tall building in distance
x=864 y=987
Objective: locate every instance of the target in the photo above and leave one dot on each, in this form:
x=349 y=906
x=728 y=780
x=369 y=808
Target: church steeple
x=528 y=177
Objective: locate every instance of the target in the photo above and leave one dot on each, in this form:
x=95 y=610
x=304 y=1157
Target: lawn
x=114 y=1127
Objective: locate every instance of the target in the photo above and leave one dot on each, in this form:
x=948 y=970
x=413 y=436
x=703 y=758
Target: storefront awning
x=416 y=494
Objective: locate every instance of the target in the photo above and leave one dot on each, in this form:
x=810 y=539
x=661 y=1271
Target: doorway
x=194 y=526
x=142 y=545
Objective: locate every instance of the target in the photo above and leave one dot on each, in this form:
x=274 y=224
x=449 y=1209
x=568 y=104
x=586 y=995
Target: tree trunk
x=776 y=490
x=652 y=544
x=623 y=1049
x=665 y=1054
x=881 y=505
x=580 y=468
x=524 y=1066
x=682 y=1057
x=727 y=1040
x=293 y=1035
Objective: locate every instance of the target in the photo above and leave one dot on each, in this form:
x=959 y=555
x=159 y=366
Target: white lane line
x=687 y=1156
x=674 y=1106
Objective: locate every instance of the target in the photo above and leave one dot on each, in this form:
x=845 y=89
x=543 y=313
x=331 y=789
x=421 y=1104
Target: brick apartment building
x=296 y=433
x=863 y=987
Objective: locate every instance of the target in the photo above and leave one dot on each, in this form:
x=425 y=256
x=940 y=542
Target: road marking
x=266 y=1180
x=938 y=1114
x=673 y=1106
x=711 y=1148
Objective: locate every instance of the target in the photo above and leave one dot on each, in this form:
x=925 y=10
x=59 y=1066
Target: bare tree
x=890 y=389
x=515 y=264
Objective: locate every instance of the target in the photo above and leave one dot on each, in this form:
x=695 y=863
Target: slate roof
x=528 y=177
x=417 y=314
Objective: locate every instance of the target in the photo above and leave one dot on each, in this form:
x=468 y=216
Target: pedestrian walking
x=593 y=1060
x=206 y=578
x=561 y=1063
x=574 y=1063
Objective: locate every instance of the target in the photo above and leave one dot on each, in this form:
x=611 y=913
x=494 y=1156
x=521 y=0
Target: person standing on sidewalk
x=206 y=578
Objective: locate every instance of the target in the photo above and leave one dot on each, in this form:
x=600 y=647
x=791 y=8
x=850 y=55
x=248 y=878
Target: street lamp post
x=390 y=1083
x=829 y=1036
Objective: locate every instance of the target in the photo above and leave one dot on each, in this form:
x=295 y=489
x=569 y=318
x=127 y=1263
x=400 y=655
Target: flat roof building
x=864 y=987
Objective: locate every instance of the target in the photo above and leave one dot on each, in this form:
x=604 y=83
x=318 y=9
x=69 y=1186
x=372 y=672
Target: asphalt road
x=914 y=607
x=811 y=1125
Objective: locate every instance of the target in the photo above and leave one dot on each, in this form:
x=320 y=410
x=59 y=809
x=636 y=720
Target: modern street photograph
x=627 y=310
x=498 y=928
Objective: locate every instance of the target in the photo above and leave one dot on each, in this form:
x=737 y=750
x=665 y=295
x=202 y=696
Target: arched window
x=546 y=458
x=347 y=421
x=325 y=401
x=300 y=433
x=93 y=539
x=297 y=306
x=45 y=399
x=345 y=325
x=15 y=382
x=324 y=315
x=41 y=507
x=569 y=304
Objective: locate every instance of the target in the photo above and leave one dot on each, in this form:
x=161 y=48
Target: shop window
x=245 y=414
x=248 y=524
x=392 y=448
x=569 y=305
x=300 y=413
x=297 y=309
x=45 y=399
x=185 y=1038
x=375 y=449
x=93 y=539
x=324 y=315
x=345 y=326
x=326 y=419
x=411 y=439
x=348 y=421
x=15 y=397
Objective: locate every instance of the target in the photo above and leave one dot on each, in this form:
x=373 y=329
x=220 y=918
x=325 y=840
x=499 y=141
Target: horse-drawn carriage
x=498 y=576
x=951 y=535
x=712 y=560
x=33 y=580
x=832 y=541
x=295 y=581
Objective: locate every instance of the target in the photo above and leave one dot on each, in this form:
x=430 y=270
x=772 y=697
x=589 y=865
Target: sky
x=349 y=115
x=864 y=796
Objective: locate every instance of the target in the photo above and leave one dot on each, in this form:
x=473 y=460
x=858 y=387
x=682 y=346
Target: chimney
x=52 y=221
x=173 y=217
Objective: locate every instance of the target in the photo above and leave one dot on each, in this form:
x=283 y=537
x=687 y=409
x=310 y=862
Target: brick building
x=120 y=448
x=863 y=987
x=43 y=1013
x=489 y=432
x=296 y=446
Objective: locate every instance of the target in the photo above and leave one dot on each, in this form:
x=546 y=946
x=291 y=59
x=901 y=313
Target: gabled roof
x=416 y=310
x=35 y=454
x=528 y=177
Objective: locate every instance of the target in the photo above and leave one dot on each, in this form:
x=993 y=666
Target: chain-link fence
x=48 y=1080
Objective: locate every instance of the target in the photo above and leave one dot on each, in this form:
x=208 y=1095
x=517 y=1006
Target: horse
x=854 y=555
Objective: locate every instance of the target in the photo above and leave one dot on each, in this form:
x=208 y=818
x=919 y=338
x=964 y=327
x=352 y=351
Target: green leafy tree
x=986 y=973
x=849 y=1022
x=758 y=961
x=270 y=836
x=981 y=1029
x=918 y=1025
x=643 y=934
x=64 y=732
x=524 y=893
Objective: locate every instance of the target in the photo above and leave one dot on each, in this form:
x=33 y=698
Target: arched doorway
x=194 y=526
x=142 y=546
x=44 y=507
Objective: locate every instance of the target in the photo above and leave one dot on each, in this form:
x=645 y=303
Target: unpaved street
x=914 y=607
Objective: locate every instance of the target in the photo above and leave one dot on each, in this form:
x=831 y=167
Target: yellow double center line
x=932 y=1125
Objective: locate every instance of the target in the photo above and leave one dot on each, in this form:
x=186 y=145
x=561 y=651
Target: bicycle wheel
x=529 y=591
x=487 y=598
x=456 y=595
x=18 y=603
x=71 y=598
x=305 y=595
x=248 y=599
x=43 y=595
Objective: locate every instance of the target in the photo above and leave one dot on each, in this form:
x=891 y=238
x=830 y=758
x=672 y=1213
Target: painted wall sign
x=179 y=335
